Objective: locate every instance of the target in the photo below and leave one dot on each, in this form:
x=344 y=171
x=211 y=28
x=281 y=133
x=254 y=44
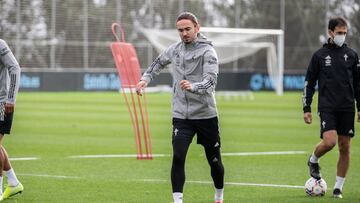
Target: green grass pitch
x=55 y=126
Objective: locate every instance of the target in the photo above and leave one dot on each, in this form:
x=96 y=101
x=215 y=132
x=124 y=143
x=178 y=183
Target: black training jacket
x=337 y=71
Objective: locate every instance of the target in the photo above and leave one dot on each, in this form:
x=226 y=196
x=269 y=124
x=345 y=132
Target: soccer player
x=9 y=85
x=195 y=70
x=336 y=68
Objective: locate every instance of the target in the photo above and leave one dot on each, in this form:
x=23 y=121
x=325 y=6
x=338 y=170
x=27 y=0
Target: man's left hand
x=185 y=85
x=358 y=116
x=9 y=108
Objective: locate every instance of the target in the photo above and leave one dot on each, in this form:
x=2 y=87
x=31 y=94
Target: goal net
x=233 y=44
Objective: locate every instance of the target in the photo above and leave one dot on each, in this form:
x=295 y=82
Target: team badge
x=328 y=61
x=176 y=131
x=323 y=124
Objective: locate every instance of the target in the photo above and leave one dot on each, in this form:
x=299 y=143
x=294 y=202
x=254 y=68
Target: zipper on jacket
x=187 y=100
x=184 y=78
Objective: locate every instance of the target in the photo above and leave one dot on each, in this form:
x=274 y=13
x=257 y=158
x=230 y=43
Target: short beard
x=187 y=42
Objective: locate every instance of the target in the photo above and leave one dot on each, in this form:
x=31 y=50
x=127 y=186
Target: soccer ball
x=314 y=187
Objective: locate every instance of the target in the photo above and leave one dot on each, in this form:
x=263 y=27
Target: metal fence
x=61 y=35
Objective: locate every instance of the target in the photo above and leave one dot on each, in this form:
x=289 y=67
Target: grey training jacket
x=196 y=62
x=9 y=74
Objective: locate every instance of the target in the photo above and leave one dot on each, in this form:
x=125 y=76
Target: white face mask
x=339 y=40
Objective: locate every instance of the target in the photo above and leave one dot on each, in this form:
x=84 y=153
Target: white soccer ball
x=315 y=187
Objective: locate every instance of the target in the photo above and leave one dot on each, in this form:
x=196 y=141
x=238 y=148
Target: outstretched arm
x=154 y=69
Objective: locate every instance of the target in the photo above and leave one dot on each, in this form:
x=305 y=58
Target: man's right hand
x=308 y=117
x=140 y=87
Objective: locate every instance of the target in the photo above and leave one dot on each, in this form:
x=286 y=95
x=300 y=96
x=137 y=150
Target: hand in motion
x=308 y=117
x=185 y=85
x=358 y=116
x=140 y=87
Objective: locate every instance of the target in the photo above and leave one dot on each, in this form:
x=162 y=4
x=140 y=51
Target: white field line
x=47 y=176
x=24 y=159
x=168 y=155
x=113 y=156
x=230 y=183
x=262 y=153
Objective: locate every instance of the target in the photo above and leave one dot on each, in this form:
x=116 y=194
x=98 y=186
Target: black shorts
x=5 y=120
x=342 y=122
x=207 y=131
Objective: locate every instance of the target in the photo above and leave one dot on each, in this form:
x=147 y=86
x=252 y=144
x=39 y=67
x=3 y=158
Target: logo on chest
x=345 y=57
x=328 y=61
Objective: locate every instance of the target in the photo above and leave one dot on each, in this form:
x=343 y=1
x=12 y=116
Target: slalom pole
x=137 y=141
x=133 y=102
x=146 y=141
x=133 y=114
x=137 y=108
x=135 y=79
x=147 y=125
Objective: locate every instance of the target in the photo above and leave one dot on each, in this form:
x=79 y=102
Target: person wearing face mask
x=195 y=69
x=336 y=69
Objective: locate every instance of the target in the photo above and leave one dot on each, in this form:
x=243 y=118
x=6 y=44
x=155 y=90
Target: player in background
x=336 y=68
x=9 y=85
x=195 y=70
